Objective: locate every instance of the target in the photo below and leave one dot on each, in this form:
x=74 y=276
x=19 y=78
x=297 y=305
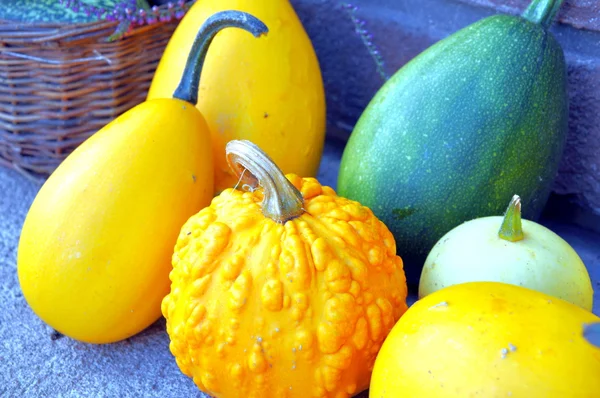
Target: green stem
x=542 y=12
x=190 y=80
x=282 y=201
x=512 y=228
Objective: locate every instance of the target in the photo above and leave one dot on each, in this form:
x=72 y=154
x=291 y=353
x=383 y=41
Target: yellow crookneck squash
x=286 y=290
x=95 y=249
x=267 y=91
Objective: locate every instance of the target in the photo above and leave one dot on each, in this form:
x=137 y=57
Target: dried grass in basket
x=59 y=84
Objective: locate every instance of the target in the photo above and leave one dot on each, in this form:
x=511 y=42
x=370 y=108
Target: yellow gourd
x=510 y=250
x=267 y=91
x=286 y=290
x=488 y=339
x=95 y=248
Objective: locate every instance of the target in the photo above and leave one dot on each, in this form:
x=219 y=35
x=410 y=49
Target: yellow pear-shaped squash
x=284 y=291
x=268 y=91
x=95 y=248
x=488 y=339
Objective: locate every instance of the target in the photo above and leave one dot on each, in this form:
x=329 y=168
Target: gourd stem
x=542 y=12
x=512 y=228
x=282 y=201
x=187 y=89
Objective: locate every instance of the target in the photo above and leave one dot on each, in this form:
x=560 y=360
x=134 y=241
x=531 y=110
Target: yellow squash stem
x=511 y=228
x=282 y=200
x=187 y=89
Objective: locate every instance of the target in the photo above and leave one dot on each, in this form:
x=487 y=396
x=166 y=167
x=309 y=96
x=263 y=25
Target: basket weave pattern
x=60 y=84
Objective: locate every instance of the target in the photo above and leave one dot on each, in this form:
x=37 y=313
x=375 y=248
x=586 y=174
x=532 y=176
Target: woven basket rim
x=20 y=33
x=14 y=34
x=54 y=25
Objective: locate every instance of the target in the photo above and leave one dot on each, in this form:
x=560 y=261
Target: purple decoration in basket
x=130 y=13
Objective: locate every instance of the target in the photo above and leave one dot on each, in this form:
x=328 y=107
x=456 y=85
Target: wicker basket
x=60 y=84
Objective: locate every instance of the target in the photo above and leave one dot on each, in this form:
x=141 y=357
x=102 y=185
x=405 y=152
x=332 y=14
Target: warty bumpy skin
x=300 y=309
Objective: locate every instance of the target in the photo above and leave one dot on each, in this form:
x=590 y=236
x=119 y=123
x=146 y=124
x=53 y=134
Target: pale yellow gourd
x=510 y=250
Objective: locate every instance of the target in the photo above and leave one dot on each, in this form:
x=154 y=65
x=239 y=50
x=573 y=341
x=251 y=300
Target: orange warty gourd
x=268 y=91
x=284 y=291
